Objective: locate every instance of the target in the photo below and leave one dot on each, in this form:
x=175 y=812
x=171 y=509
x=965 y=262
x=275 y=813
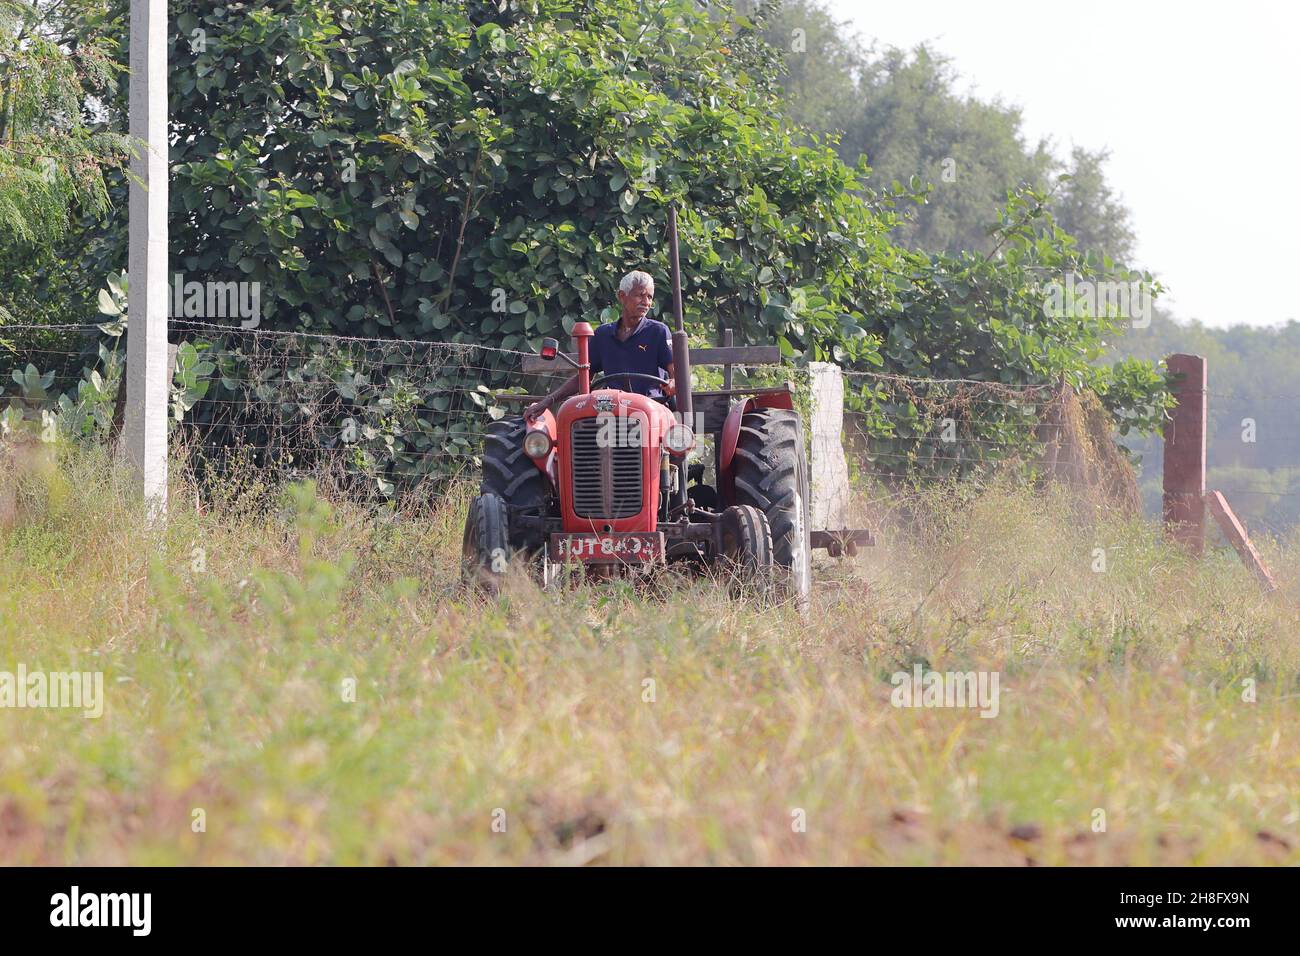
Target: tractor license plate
x=629 y=547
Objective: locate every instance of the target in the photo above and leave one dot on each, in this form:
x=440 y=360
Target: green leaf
x=106 y=304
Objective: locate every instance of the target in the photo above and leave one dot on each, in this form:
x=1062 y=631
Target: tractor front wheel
x=485 y=549
x=747 y=557
x=511 y=475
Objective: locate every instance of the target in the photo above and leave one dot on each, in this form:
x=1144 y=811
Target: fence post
x=726 y=369
x=145 y=418
x=1184 y=477
x=829 y=478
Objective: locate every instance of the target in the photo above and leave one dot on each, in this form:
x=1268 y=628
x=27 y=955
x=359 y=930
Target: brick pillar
x=1184 y=498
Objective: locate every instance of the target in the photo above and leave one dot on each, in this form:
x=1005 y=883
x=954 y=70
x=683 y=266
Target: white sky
x=1199 y=105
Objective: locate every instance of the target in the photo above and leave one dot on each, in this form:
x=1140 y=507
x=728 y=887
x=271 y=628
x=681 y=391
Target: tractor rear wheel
x=485 y=549
x=747 y=557
x=511 y=475
x=771 y=474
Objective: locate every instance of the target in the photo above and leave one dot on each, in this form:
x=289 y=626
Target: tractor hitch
x=846 y=541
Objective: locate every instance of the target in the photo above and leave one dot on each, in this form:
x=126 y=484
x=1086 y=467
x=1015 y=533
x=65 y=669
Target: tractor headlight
x=680 y=439
x=537 y=444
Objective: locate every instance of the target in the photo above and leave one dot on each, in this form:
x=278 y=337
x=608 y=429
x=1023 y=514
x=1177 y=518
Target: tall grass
x=624 y=725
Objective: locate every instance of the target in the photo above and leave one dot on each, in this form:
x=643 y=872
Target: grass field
x=1147 y=712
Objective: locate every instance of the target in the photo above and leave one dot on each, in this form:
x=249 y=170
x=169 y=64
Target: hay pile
x=1079 y=452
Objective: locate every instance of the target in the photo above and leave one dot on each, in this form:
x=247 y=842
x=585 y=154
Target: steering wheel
x=629 y=375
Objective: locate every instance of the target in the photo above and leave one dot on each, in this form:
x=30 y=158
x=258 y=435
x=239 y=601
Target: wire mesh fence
x=378 y=415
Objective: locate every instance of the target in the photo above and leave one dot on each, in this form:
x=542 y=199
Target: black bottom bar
x=946 y=907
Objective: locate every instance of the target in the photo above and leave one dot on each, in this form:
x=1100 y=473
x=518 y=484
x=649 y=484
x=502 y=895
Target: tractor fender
x=731 y=435
x=731 y=427
x=546 y=464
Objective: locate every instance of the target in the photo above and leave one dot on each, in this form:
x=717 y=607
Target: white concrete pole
x=145 y=424
x=829 y=482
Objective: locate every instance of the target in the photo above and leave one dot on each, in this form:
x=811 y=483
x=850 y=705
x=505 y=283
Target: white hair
x=634 y=279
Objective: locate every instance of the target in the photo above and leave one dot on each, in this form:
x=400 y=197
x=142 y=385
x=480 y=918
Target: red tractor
x=602 y=486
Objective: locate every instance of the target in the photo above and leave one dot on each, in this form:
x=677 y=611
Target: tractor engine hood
x=608 y=466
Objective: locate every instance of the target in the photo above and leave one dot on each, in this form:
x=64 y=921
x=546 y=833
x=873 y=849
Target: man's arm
x=542 y=404
x=666 y=361
x=568 y=388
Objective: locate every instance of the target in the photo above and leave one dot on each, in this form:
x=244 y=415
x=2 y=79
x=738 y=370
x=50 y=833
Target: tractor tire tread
x=511 y=475
x=768 y=476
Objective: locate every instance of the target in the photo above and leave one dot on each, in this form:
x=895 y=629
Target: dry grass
x=226 y=641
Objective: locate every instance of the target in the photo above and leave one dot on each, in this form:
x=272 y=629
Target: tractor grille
x=606 y=481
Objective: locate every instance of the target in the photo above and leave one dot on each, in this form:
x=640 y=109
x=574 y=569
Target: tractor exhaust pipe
x=681 y=351
x=581 y=333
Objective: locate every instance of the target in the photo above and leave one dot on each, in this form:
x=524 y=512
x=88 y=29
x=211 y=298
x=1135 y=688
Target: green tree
x=53 y=152
x=903 y=111
x=822 y=60
x=413 y=161
x=912 y=122
x=1088 y=209
x=485 y=174
x=62 y=150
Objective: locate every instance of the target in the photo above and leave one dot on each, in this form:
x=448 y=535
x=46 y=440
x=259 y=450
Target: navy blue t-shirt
x=648 y=350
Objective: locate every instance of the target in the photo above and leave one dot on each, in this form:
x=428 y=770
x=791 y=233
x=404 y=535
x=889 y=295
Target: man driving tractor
x=635 y=343
x=562 y=499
